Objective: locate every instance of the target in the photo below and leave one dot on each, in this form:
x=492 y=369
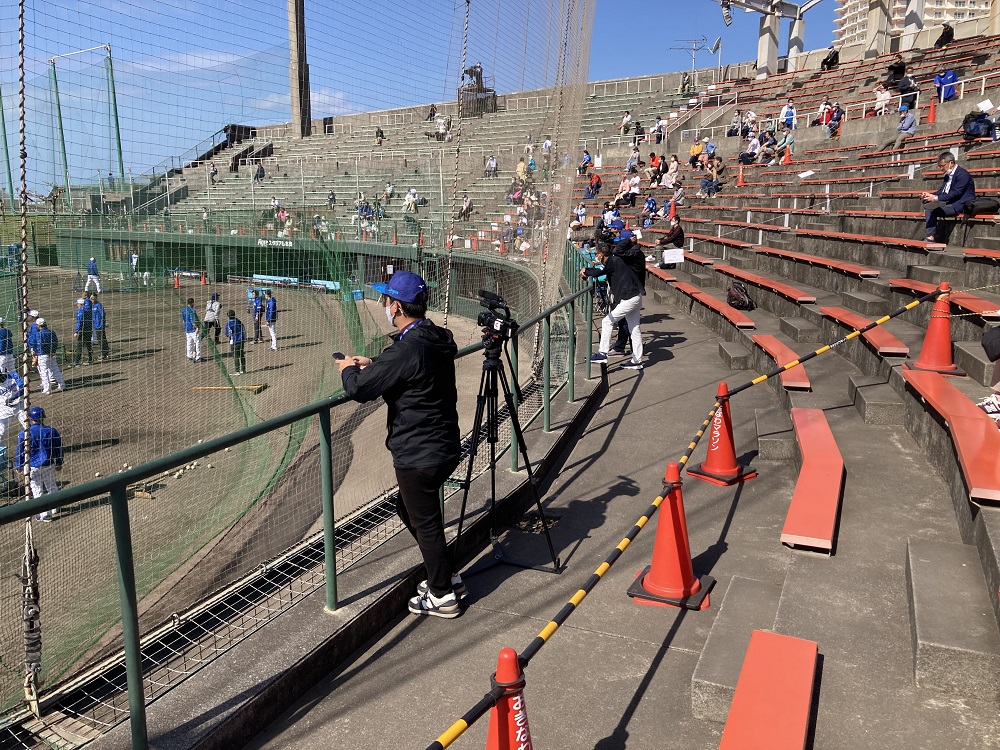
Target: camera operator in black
x=416 y=378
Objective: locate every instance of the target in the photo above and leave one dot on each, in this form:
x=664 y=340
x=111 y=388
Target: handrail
x=116 y=486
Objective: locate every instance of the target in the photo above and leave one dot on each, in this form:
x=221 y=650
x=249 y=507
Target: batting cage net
x=169 y=167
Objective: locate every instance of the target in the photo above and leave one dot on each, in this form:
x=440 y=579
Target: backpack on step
x=737 y=296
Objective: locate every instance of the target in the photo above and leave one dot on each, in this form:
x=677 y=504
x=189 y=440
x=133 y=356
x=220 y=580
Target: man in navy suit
x=956 y=190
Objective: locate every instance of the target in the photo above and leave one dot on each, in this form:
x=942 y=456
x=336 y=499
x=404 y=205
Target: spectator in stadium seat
x=947 y=36
x=907 y=87
x=465 y=212
x=709 y=147
x=832 y=129
x=213 y=172
x=579 y=216
x=633 y=159
x=786 y=144
x=431 y=113
x=653 y=165
x=676 y=201
x=648 y=213
x=522 y=170
x=735 y=125
x=823 y=114
x=626 y=123
x=788 y=114
x=674 y=238
x=379 y=135
x=944 y=85
x=714 y=180
x=331 y=199
x=907 y=126
x=491 y=167
x=258 y=175
x=957 y=188
x=895 y=72
x=594 y=186
x=586 y=163
x=832 y=59
x=882 y=99
x=695 y=152
x=661 y=125
x=749 y=155
x=669 y=177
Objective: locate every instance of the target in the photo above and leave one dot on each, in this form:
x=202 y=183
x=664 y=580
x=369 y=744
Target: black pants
x=257 y=337
x=83 y=340
x=210 y=324
x=239 y=358
x=419 y=508
x=624 y=336
x=102 y=339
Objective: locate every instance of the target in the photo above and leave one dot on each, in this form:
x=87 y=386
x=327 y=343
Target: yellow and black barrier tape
x=489 y=700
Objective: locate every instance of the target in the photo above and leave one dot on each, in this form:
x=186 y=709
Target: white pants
x=274 y=334
x=95 y=279
x=42 y=480
x=631 y=310
x=6 y=422
x=48 y=369
x=7 y=363
x=194 y=345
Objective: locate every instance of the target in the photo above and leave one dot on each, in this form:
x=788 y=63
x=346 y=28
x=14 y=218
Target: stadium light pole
x=62 y=136
x=114 y=111
x=6 y=153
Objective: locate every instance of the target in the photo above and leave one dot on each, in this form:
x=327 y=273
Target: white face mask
x=388 y=314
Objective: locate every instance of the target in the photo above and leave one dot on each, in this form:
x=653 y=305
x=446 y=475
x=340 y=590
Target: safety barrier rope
x=490 y=699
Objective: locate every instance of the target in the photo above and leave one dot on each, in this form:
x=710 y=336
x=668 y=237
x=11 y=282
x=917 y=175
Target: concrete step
x=867 y=304
x=971 y=357
x=798 y=329
x=702 y=279
x=775 y=436
x=954 y=635
x=735 y=355
x=936 y=274
x=747 y=606
x=876 y=401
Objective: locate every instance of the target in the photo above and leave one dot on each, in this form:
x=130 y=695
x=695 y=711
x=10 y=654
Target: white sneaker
x=457 y=585
x=428 y=604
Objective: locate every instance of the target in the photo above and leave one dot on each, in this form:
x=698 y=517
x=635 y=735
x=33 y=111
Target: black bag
x=991 y=343
x=980 y=206
x=976 y=125
x=739 y=297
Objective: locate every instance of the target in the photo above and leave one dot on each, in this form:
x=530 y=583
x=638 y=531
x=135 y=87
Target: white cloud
x=326 y=102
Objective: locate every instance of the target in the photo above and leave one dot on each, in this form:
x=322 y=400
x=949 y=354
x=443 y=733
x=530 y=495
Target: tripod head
x=498 y=325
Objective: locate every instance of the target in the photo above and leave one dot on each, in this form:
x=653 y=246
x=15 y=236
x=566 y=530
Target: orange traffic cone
x=720 y=466
x=204 y=279
x=395 y=239
x=935 y=354
x=420 y=239
x=177 y=280
x=739 y=178
x=673 y=209
x=669 y=581
x=475 y=243
x=509 y=717
x=932 y=112
x=787 y=159
x=503 y=246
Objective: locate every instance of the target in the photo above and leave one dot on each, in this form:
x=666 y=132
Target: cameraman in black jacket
x=416 y=378
x=626 y=296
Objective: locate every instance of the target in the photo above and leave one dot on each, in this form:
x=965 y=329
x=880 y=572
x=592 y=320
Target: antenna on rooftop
x=693 y=47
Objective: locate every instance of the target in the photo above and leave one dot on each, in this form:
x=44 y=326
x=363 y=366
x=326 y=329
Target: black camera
x=496 y=321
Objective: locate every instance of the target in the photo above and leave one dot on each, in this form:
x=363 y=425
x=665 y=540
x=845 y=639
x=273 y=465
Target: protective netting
x=162 y=147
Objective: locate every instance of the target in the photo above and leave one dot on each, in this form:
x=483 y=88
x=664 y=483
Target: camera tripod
x=487 y=404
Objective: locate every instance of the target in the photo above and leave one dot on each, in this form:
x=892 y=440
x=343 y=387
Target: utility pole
x=298 y=70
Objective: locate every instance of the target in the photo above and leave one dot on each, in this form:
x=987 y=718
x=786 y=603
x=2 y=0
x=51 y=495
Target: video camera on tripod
x=497 y=323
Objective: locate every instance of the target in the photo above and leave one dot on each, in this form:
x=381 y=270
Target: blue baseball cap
x=616 y=224
x=625 y=234
x=403 y=285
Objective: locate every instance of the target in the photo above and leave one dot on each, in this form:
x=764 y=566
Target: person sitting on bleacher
x=626 y=123
x=750 y=123
x=786 y=144
x=695 y=152
x=658 y=129
x=491 y=167
x=594 y=186
x=676 y=201
x=895 y=72
x=586 y=163
x=465 y=212
x=668 y=172
x=431 y=114
x=767 y=146
x=907 y=87
x=735 y=125
x=716 y=178
x=674 y=238
x=882 y=100
x=836 y=117
x=653 y=165
x=944 y=85
x=907 y=126
x=823 y=115
x=648 y=213
x=749 y=156
x=957 y=189
x=579 y=216
x=947 y=36
x=832 y=59
x=788 y=114
x=633 y=159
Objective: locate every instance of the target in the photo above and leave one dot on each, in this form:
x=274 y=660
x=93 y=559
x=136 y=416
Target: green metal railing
x=116 y=486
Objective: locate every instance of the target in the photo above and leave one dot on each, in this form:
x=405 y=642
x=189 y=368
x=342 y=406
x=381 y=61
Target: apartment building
x=850 y=25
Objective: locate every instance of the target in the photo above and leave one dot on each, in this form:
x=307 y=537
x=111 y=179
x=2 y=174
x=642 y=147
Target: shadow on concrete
x=618 y=739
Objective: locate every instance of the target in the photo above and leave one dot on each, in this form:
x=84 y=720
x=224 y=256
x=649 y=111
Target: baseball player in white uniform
x=11 y=403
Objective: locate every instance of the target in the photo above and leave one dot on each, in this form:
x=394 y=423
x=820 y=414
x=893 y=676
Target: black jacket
x=416 y=377
x=621 y=279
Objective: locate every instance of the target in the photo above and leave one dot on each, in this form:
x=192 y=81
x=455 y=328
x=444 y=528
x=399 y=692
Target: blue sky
x=638 y=40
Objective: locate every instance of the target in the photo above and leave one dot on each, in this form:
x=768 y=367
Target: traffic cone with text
x=720 y=465
x=509 y=717
x=669 y=580
x=935 y=354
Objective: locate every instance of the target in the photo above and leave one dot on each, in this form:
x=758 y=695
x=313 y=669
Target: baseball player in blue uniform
x=271 y=319
x=237 y=335
x=11 y=403
x=92 y=276
x=191 y=331
x=48 y=368
x=100 y=319
x=83 y=330
x=256 y=309
x=45 y=457
x=6 y=348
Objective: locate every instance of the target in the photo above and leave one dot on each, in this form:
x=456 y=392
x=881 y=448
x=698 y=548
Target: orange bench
x=871 y=239
x=725 y=241
x=749 y=225
x=795 y=379
x=968 y=302
x=884 y=342
x=812 y=515
x=839 y=149
x=851 y=269
x=660 y=273
x=973 y=433
x=785 y=290
x=734 y=316
x=773 y=698
x=980 y=252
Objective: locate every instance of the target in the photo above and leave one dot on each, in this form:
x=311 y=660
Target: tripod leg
x=473 y=451
x=515 y=426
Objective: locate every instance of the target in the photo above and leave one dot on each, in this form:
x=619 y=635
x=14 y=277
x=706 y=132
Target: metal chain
x=449 y=242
